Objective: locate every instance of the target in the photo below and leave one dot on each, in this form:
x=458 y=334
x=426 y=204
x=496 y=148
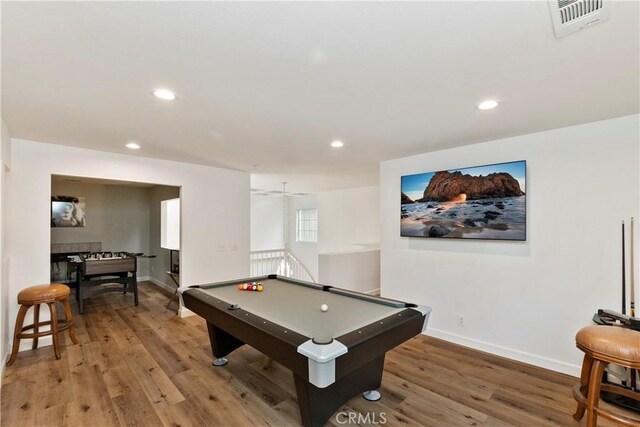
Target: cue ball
x=324 y=307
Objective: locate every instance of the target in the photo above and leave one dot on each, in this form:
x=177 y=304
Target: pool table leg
x=317 y=405
x=221 y=342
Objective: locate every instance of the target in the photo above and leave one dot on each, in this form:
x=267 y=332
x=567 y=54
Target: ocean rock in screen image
x=485 y=202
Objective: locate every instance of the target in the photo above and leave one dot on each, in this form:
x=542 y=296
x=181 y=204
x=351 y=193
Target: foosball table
x=98 y=272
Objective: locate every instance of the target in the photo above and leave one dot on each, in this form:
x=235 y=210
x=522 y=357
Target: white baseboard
x=185 y=312
x=160 y=284
x=520 y=356
x=3 y=360
x=373 y=292
x=182 y=310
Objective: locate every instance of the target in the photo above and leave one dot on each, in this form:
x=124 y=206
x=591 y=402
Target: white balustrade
x=278 y=261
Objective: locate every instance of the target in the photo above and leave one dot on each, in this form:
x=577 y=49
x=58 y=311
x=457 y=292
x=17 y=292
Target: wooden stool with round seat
x=603 y=345
x=33 y=296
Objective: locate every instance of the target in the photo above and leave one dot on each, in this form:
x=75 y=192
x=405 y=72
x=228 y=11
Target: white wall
x=524 y=300
x=358 y=270
x=306 y=252
x=266 y=223
x=5 y=331
x=116 y=215
x=215 y=210
x=267 y=228
x=349 y=238
x=348 y=219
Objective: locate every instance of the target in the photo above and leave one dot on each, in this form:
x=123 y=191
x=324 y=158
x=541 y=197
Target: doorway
x=106 y=217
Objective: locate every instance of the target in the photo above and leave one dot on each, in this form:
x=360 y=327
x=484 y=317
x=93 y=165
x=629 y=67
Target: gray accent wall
x=123 y=217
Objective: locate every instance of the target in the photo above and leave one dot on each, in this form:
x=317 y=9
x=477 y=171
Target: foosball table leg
x=80 y=299
x=134 y=281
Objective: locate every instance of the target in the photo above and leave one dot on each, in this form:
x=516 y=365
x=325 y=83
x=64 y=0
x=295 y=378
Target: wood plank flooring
x=143 y=366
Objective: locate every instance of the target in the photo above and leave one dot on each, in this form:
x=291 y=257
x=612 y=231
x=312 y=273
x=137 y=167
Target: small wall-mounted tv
x=481 y=202
x=67 y=211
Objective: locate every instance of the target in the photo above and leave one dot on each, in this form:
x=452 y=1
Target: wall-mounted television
x=67 y=211
x=481 y=202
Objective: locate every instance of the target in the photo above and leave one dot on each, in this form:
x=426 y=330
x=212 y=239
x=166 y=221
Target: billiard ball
x=324 y=307
x=260 y=287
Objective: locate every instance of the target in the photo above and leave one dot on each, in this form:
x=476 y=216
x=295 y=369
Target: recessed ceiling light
x=337 y=144
x=165 y=94
x=488 y=104
x=132 y=146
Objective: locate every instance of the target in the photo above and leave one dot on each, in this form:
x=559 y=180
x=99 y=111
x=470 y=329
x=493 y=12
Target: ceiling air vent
x=573 y=15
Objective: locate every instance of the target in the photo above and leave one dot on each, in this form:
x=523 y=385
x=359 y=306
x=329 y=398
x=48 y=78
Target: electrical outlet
x=460 y=320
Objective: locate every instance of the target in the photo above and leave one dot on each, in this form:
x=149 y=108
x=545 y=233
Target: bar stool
x=33 y=296
x=603 y=345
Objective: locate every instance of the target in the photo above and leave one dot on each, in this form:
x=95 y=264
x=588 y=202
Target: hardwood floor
x=143 y=366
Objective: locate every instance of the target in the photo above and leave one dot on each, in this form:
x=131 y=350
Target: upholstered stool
x=603 y=345
x=33 y=296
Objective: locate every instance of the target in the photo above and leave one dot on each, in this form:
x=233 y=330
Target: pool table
x=333 y=354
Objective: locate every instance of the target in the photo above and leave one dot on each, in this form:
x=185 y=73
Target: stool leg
x=587 y=363
x=36 y=324
x=16 y=333
x=67 y=315
x=54 y=328
x=593 y=396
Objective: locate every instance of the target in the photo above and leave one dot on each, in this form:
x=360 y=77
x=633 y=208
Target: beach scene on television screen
x=484 y=202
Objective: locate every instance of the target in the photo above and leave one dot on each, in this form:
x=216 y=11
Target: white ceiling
x=272 y=83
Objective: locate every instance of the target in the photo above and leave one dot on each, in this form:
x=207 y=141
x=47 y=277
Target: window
x=307 y=225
